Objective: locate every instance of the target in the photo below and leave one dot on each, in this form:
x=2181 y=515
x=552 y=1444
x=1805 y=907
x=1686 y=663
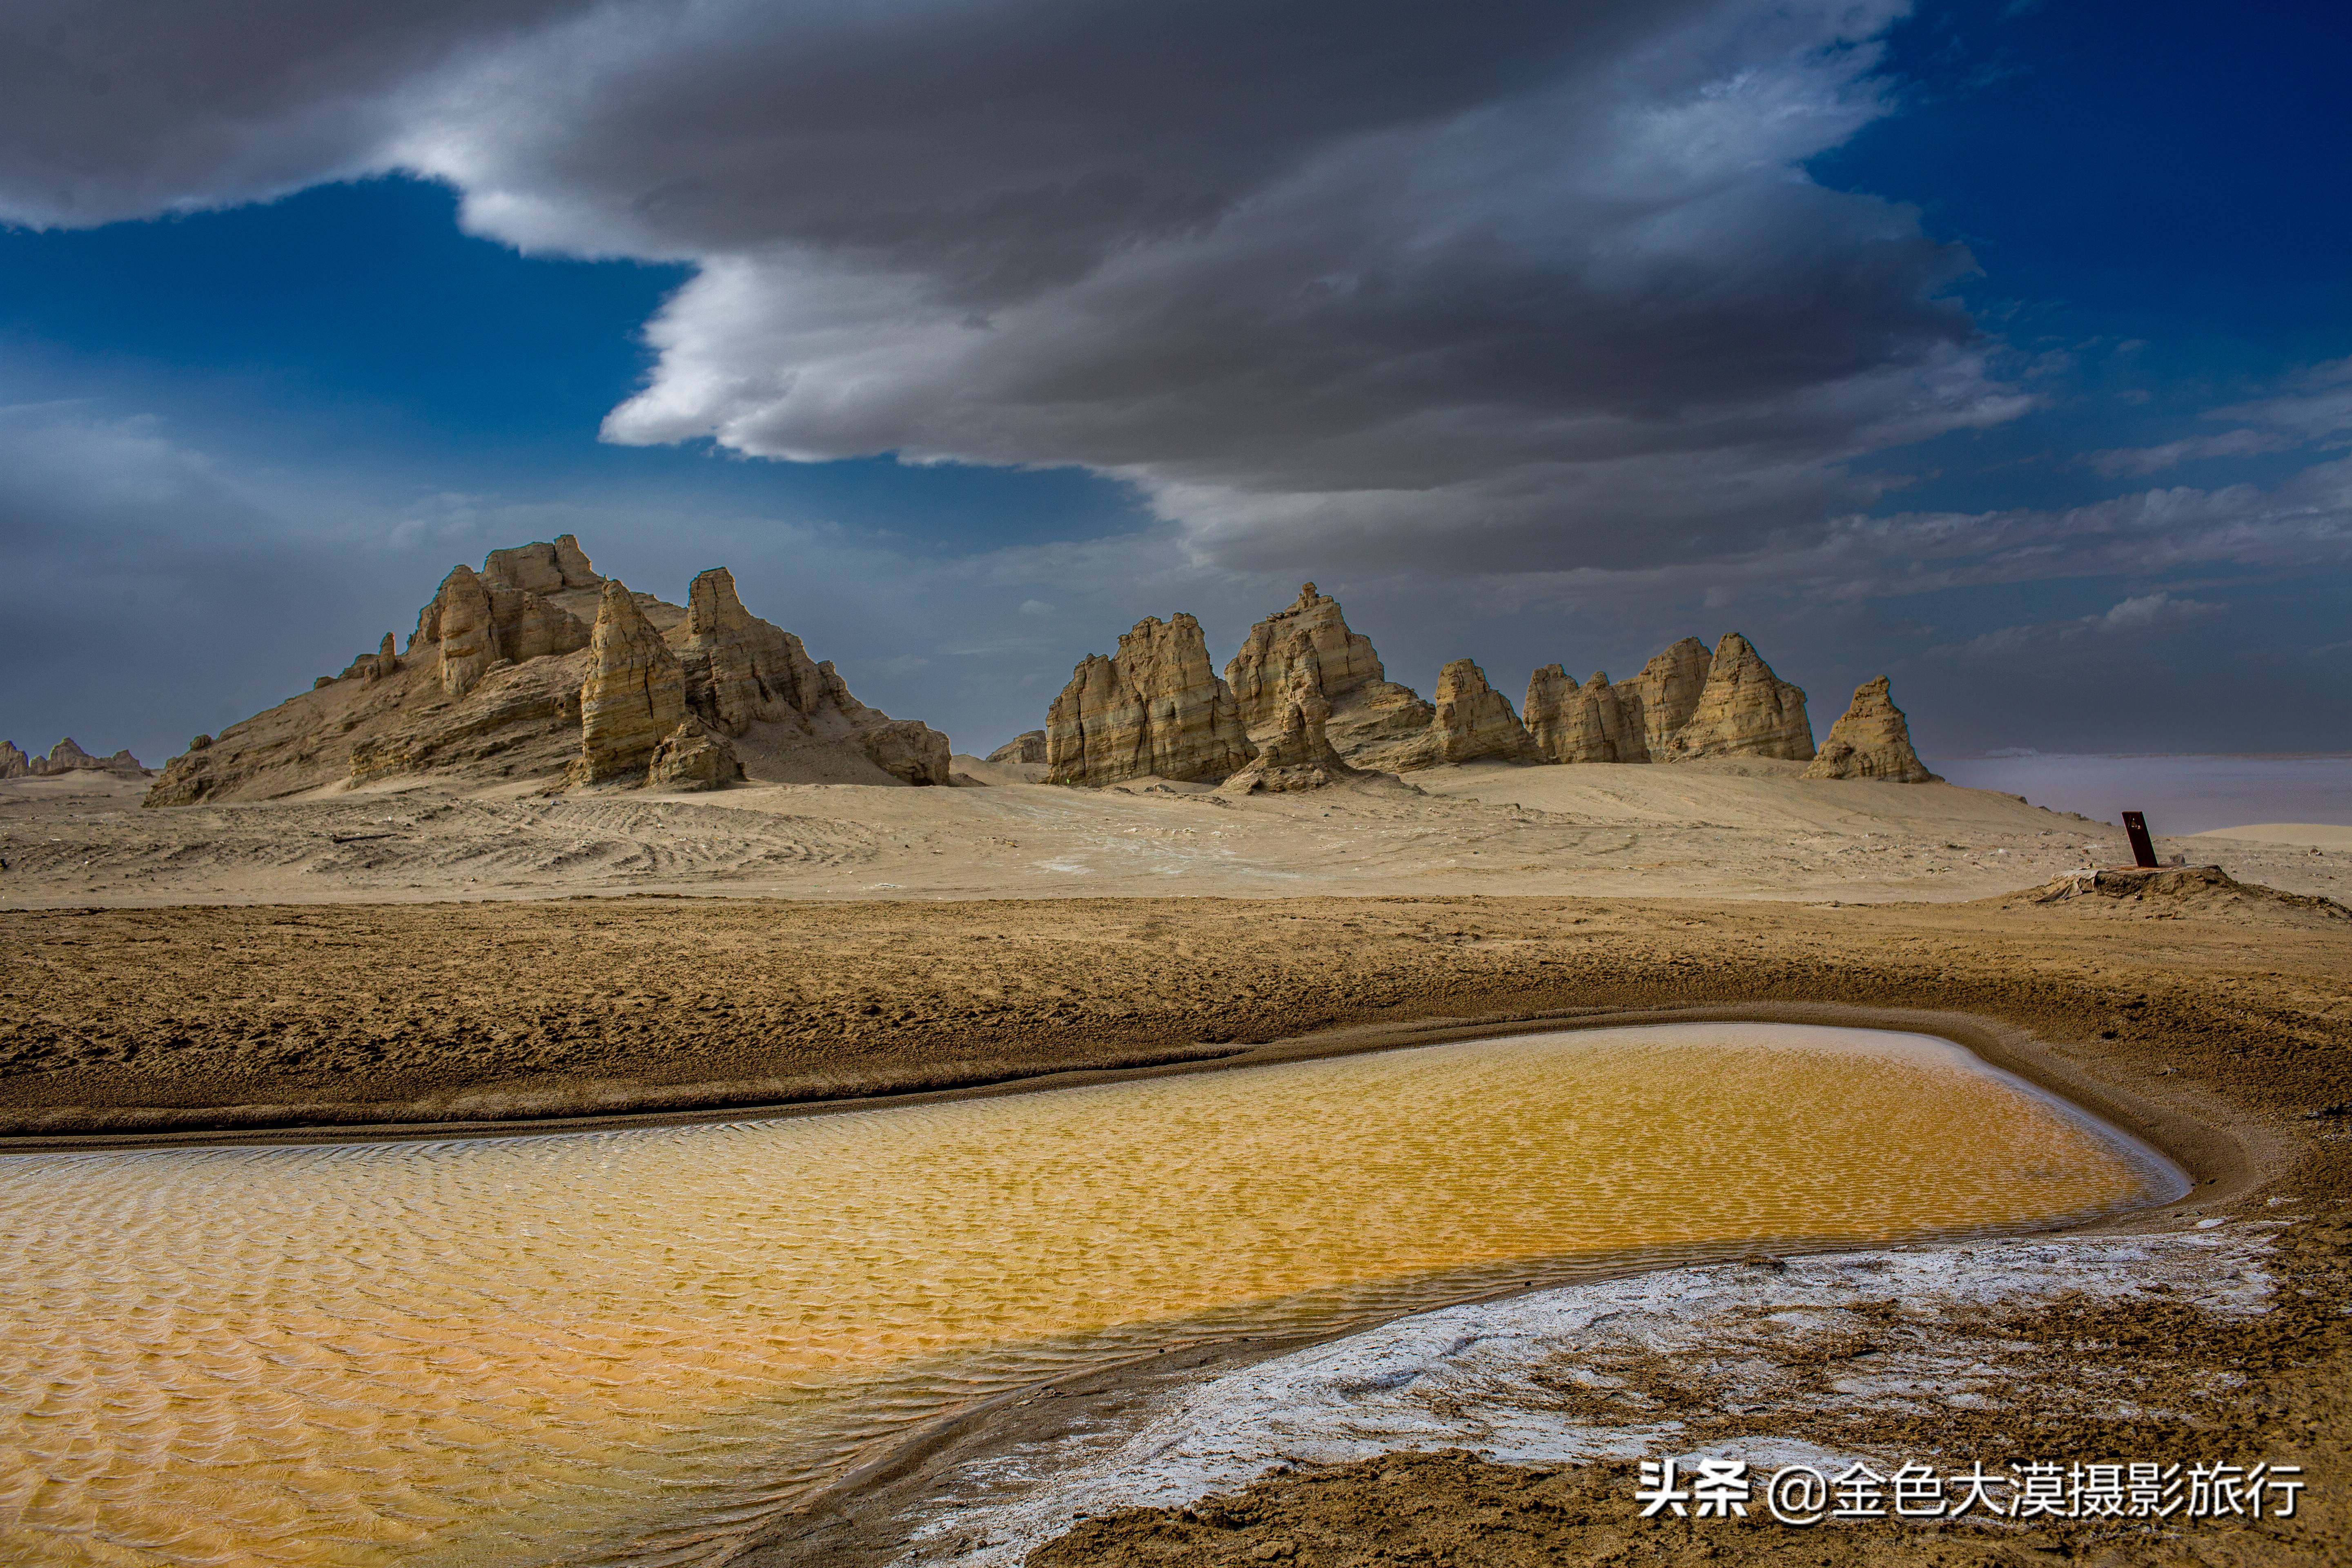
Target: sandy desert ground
x=414 y=955
x=1726 y=829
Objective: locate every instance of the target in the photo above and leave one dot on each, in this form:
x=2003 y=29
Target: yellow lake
x=637 y=1345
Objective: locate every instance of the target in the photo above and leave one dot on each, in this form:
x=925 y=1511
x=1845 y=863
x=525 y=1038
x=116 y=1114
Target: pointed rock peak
x=1461 y=677
x=1310 y=631
x=617 y=612
x=1870 y=740
x=1741 y=651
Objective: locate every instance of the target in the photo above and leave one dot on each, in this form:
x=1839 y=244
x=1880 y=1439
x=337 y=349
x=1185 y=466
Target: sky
x=2004 y=348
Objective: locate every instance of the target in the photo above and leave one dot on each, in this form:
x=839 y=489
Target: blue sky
x=2003 y=348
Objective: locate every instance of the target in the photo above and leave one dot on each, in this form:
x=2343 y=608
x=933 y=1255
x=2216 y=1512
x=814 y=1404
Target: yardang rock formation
x=1154 y=708
x=1316 y=705
x=538 y=668
x=1870 y=740
x=1744 y=711
x=1371 y=714
x=1686 y=703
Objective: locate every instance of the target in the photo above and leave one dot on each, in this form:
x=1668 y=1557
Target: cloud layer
x=1522 y=286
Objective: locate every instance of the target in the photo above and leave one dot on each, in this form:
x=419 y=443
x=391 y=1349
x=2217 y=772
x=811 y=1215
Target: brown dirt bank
x=215 y=1018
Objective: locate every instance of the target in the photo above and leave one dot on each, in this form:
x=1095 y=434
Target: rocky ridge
x=1316 y=705
x=65 y=757
x=537 y=668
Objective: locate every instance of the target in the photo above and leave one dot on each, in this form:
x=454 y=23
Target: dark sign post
x=2143 y=847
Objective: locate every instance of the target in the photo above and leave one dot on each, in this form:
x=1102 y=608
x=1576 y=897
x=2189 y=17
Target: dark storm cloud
x=1482 y=288
x=140 y=107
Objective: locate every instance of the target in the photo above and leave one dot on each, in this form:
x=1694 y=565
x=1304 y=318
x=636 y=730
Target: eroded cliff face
x=548 y=569
x=475 y=621
x=505 y=678
x=1744 y=711
x=742 y=671
x=1156 y=708
x=1870 y=740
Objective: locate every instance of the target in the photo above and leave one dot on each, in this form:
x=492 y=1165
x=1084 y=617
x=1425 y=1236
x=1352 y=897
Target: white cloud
x=2135 y=461
x=2146 y=612
x=2314 y=409
x=2140 y=614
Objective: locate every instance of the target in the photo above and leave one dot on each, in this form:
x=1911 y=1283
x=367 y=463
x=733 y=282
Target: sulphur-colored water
x=636 y=1345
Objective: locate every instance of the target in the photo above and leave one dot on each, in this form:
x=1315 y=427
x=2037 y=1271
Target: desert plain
x=412 y=959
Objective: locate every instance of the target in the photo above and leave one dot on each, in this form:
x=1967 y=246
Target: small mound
x=2169 y=892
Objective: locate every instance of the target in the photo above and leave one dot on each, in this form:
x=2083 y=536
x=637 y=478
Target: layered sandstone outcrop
x=1686 y=703
x=1870 y=740
x=1371 y=714
x=634 y=694
x=547 y=568
x=1659 y=702
x=1475 y=722
x=1303 y=685
x=744 y=670
x=1589 y=723
x=65 y=757
x=1156 y=709
x=744 y=674
x=474 y=622
x=1029 y=746
x=1744 y=711
x=500 y=681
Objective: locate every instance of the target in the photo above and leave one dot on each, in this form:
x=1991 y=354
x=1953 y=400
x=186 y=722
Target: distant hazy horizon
x=2190 y=793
